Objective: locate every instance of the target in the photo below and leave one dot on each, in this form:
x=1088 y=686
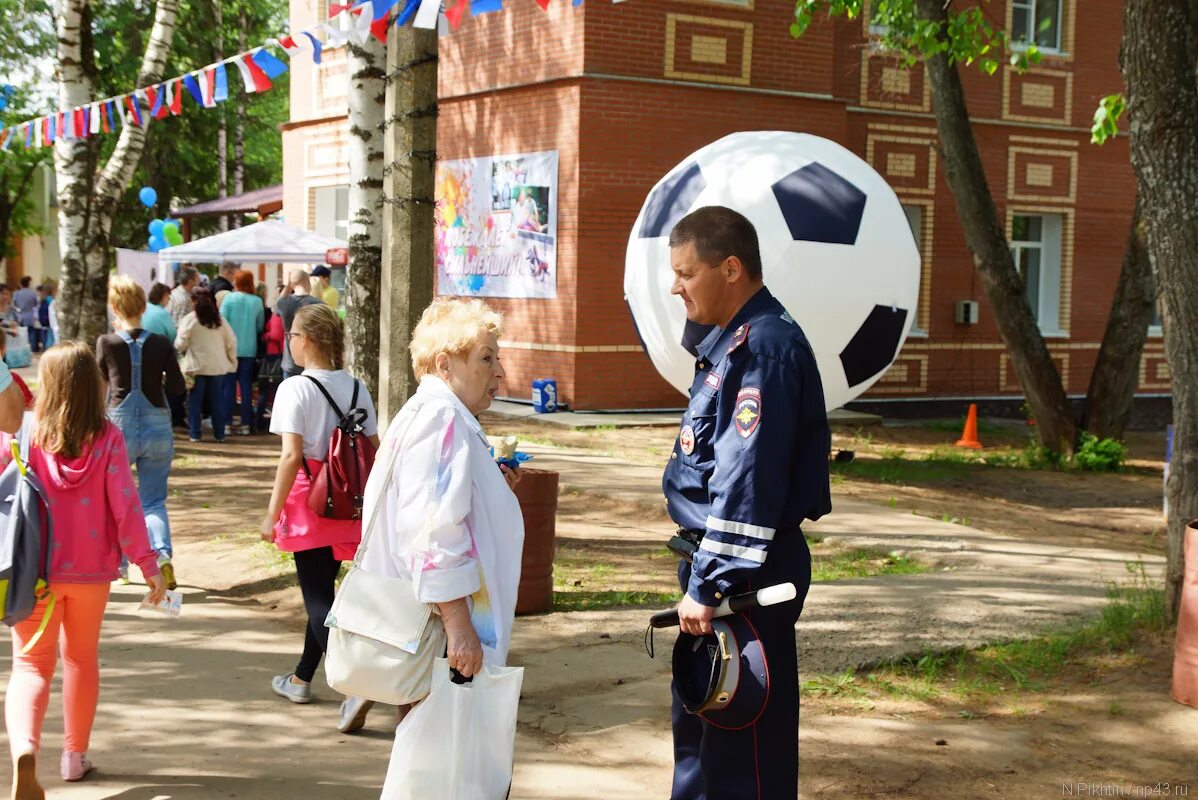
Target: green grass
x=957 y=425
x=994 y=671
x=611 y=598
x=940 y=465
x=862 y=562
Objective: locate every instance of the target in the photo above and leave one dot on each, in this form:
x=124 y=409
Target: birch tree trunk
x=239 y=126
x=1157 y=59
x=222 y=122
x=367 y=93
x=410 y=153
x=987 y=242
x=88 y=194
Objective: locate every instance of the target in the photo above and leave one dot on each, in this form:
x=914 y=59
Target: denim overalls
x=151 y=445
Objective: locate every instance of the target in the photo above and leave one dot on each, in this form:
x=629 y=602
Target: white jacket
x=206 y=351
x=449 y=519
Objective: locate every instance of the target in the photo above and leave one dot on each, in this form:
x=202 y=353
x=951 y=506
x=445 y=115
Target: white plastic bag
x=458 y=743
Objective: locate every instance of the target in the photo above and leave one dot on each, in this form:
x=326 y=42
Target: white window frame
x=328 y=207
x=1030 y=6
x=1048 y=309
x=1156 y=327
x=914 y=213
x=343 y=21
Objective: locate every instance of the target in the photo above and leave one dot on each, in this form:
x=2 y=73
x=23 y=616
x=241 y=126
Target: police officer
x=750 y=464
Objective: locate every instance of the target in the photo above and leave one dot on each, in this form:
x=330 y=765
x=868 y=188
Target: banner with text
x=497 y=226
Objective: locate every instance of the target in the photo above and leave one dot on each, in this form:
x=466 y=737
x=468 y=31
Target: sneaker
x=353 y=714
x=24 y=780
x=194 y=440
x=168 y=572
x=75 y=766
x=295 y=692
x=123 y=575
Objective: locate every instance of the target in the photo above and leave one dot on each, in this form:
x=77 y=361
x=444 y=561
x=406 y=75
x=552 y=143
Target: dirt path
x=186 y=710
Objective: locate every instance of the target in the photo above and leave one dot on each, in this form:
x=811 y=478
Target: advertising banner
x=496 y=233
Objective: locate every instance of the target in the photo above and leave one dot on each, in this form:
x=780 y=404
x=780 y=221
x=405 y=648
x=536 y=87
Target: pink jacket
x=94 y=505
x=274 y=335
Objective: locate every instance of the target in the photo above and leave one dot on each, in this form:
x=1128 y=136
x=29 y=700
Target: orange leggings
x=75 y=624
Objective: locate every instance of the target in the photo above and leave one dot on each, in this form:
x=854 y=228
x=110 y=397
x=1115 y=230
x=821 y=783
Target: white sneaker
x=123 y=575
x=353 y=714
x=295 y=692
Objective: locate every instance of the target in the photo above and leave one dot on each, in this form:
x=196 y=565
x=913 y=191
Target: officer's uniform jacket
x=751 y=459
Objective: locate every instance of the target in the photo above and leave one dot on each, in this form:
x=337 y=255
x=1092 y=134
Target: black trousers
x=317 y=572
x=762 y=760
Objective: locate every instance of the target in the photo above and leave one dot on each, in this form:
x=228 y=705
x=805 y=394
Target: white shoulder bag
x=382 y=640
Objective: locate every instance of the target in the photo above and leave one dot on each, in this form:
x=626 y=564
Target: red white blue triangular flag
x=317 y=47
x=268 y=62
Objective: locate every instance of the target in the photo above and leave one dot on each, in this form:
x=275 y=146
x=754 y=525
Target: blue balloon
x=147 y=196
x=157 y=243
x=156 y=226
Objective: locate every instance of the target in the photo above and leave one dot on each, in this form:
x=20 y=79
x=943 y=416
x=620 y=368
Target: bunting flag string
x=258 y=68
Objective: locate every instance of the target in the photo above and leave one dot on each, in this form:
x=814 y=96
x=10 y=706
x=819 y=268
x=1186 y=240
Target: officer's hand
x=694 y=617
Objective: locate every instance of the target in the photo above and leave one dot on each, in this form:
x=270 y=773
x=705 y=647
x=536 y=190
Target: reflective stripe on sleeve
x=741 y=529
x=734 y=550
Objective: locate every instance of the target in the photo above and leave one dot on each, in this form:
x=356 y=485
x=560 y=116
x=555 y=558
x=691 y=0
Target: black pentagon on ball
x=671 y=201
x=820 y=206
x=874 y=345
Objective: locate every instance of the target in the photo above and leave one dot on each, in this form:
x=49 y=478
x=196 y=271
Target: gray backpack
x=25 y=539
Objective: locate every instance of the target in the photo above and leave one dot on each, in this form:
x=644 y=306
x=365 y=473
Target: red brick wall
x=625 y=108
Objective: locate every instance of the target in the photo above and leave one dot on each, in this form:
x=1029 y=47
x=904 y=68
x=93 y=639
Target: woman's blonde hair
x=451 y=326
x=321 y=326
x=70 y=400
x=127 y=299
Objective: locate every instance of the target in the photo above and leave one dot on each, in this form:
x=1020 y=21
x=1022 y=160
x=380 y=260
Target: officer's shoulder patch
x=739 y=336
x=748 y=411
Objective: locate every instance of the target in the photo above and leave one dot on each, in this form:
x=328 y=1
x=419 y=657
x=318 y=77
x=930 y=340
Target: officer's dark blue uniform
x=750 y=464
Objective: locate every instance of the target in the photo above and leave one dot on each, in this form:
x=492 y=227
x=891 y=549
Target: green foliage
x=593 y=601
x=19 y=212
x=1106 y=118
x=1099 y=455
x=180 y=155
x=967 y=38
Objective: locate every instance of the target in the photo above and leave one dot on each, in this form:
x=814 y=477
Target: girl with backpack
x=307 y=412
x=80 y=458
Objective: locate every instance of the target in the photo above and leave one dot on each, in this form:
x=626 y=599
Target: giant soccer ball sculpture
x=836 y=250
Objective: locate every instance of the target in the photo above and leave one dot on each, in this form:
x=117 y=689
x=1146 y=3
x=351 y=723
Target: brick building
x=623 y=92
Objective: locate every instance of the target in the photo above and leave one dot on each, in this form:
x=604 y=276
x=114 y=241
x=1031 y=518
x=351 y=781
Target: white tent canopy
x=268 y=241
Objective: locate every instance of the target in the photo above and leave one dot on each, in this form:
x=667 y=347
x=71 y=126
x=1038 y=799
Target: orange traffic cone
x=969 y=437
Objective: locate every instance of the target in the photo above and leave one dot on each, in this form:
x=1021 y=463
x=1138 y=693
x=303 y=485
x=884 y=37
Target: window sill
x=916 y=333
x=1156 y=331
x=1055 y=334
x=1047 y=52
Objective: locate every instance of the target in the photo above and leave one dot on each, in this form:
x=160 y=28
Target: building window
x=914 y=214
x=332 y=211
x=1037 y=21
x=343 y=21
x=1156 y=327
x=1036 y=249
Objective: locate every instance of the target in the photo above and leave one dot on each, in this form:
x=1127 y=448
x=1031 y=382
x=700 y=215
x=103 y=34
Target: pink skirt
x=300 y=528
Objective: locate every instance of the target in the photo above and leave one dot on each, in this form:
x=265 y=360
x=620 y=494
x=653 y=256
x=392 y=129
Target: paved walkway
x=186 y=712
x=987 y=586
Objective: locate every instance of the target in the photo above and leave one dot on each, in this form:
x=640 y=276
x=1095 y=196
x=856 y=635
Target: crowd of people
x=97 y=416
x=444 y=518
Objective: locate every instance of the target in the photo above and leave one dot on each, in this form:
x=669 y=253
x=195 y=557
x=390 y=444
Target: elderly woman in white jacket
x=449 y=518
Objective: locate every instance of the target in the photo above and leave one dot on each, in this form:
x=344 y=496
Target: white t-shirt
x=301 y=408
